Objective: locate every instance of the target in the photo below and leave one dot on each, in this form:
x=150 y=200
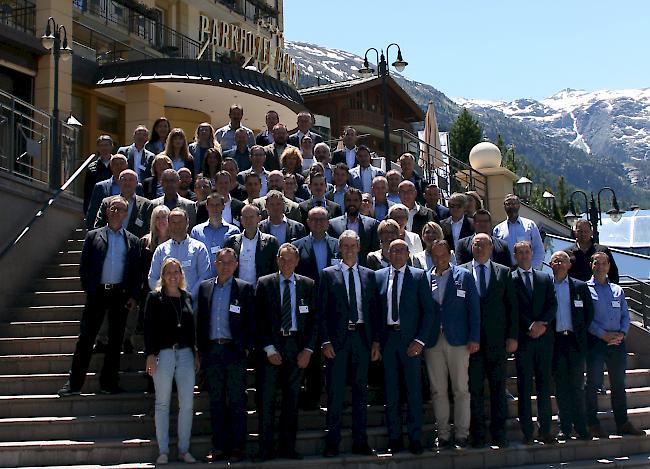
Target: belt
x=288 y=333
x=394 y=327
x=109 y=286
x=178 y=347
x=565 y=333
x=221 y=341
x=355 y=326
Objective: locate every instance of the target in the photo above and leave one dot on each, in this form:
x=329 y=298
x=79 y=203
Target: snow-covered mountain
x=593 y=139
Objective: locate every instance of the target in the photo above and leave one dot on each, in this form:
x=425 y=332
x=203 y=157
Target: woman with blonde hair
x=431 y=232
x=152 y=186
x=177 y=150
x=170 y=347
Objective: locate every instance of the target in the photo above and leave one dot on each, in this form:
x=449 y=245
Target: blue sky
x=491 y=49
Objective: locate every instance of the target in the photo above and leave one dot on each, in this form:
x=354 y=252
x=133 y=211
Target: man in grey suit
x=138 y=157
x=291 y=208
x=361 y=176
x=171 y=199
x=105 y=188
x=139 y=215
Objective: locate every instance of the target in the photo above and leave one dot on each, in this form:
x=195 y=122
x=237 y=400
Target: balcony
x=19 y=14
x=370 y=119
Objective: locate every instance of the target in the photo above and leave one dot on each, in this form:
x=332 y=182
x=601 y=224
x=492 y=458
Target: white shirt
x=476 y=271
x=413 y=242
x=357 y=286
x=247 y=270
x=138 y=165
x=456 y=226
x=412 y=212
x=350 y=156
x=391 y=285
x=226 y=214
x=353 y=225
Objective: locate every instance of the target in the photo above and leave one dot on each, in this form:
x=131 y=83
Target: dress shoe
x=563 y=436
x=100 y=347
x=290 y=454
x=585 y=436
x=602 y=391
x=216 y=455
x=597 y=431
x=547 y=439
x=162 y=459
x=509 y=396
x=331 y=451
x=628 y=429
x=66 y=391
x=262 y=456
x=460 y=443
x=442 y=444
x=395 y=446
x=415 y=447
x=500 y=442
x=479 y=443
x=127 y=347
x=527 y=440
x=362 y=449
x=236 y=456
x=111 y=390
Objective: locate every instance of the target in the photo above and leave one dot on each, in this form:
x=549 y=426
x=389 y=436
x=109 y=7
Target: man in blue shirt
x=515 y=228
x=606 y=344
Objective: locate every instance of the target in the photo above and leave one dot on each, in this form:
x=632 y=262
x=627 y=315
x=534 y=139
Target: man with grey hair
x=346 y=300
x=304 y=121
x=393 y=177
x=400 y=213
x=380 y=204
x=418 y=214
x=241 y=151
x=256 y=166
x=323 y=156
x=515 y=228
x=277 y=223
x=457 y=225
x=348 y=154
x=171 y=199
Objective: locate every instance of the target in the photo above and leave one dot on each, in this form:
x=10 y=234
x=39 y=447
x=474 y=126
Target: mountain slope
x=551 y=153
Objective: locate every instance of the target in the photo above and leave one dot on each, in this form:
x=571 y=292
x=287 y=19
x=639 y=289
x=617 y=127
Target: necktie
x=481 y=277
x=286 y=307
x=352 y=298
x=319 y=203
x=529 y=285
x=394 y=314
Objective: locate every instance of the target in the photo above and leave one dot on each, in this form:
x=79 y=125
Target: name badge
x=578 y=303
x=235 y=309
x=187 y=263
x=460 y=293
x=215 y=249
x=139 y=222
x=616 y=304
x=304 y=309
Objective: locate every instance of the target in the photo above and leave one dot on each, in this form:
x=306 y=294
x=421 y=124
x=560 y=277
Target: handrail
x=612 y=249
x=41 y=212
x=644 y=308
x=451 y=158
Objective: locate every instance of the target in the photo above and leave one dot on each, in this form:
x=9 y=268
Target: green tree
x=465 y=133
x=501 y=145
x=561 y=199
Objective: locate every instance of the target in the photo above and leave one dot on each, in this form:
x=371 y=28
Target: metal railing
x=637 y=293
x=25 y=142
x=448 y=173
x=19 y=14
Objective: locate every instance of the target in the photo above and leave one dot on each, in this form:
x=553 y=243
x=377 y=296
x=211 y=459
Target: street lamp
x=549 y=201
x=367 y=71
x=524 y=188
x=593 y=208
x=56 y=40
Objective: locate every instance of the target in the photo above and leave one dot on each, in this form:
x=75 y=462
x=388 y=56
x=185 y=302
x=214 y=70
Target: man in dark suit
x=457 y=226
x=257 y=162
x=407 y=164
x=483 y=224
x=537 y=308
x=348 y=154
x=380 y=203
x=99 y=169
x=256 y=251
x=171 y=199
x=291 y=208
x=456 y=335
x=275 y=149
x=340 y=182
x=105 y=188
x=362 y=175
x=432 y=196
x=365 y=227
x=574 y=314
x=139 y=213
x=583 y=249
x=110 y=276
x=287 y=318
x=232 y=207
x=304 y=122
x=499 y=330
x=138 y=157
x=418 y=214
x=317 y=188
x=405 y=316
x=346 y=303
x=277 y=224
x=224 y=337
x=266 y=136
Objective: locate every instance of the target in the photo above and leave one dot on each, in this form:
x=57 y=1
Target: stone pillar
x=61 y=11
x=499 y=183
x=144 y=104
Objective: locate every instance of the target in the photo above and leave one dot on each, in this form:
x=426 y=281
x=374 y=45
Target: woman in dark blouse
x=170 y=347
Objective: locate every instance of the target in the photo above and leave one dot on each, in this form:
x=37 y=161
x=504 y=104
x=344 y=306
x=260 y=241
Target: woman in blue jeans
x=170 y=348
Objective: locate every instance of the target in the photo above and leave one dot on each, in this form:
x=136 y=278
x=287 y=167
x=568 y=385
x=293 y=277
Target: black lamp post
x=367 y=71
x=593 y=208
x=56 y=39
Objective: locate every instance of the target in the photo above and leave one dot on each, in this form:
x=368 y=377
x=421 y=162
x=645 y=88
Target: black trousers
x=113 y=303
x=287 y=377
x=491 y=365
x=311 y=396
x=615 y=357
x=224 y=368
x=534 y=358
x=568 y=371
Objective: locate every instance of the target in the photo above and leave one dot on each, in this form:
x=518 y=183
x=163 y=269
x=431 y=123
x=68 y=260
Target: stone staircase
x=40 y=429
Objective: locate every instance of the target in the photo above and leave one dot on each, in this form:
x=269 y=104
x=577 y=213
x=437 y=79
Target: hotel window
x=110 y=120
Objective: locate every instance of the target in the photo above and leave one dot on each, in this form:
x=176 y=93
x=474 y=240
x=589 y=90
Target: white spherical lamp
x=485 y=155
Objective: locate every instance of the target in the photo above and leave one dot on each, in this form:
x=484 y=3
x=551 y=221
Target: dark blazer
x=295 y=230
x=293 y=138
x=263 y=138
x=334 y=306
x=581 y=317
x=541 y=306
x=333 y=209
x=185 y=204
x=307 y=265
x=139 y=220
x=367 y=234
x=235 y=208
x=580 y=266
x=459 y=315
x=421 y=218
x=467 y=229
x=101 y=190
x=420 y=185
x=416 y=307
x=241 y=324
x=129 y=152
x=499 y=311
x=338 y=156
x=440 y=212
x=273 y=156
x=291 y=209
x=150 y=188
x=268 y=308
x=354 y=179
x=374 y=261
x=93 y=254
x=241 y=175
x=95 y=172
x=265 y=253
x=500 y=252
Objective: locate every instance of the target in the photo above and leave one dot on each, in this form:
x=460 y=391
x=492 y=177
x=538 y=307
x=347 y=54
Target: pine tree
x=501 y=145
x=561 y=202
x=465 y=133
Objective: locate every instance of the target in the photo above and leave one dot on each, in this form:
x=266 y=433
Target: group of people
x=273 y=251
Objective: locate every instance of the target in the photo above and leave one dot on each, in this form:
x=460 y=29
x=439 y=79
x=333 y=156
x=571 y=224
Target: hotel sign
x=219 y=34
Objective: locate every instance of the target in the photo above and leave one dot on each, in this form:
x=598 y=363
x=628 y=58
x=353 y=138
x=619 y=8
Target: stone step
x=46 y=313
x=633 y=461
x=37 y=345
x=58 y=283
x=60 y=453
x=54 y=298
x=13 y=385
x=67 y=256
x=26 y=329
x=60 y=363
x=61 y=270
